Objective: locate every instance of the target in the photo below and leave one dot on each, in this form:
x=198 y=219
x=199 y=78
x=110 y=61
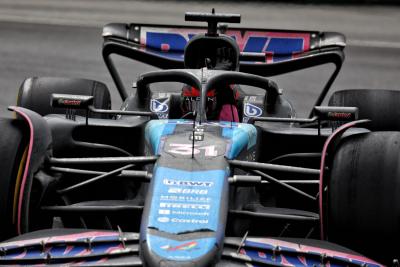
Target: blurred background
x=63 y=38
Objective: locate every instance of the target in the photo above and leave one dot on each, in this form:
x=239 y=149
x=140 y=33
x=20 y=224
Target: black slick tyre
x=13 y=150
x=378 y=105
x=35 y=94
x=364 y=195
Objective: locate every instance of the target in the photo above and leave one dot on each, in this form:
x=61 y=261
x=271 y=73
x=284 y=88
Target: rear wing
x=263 y=52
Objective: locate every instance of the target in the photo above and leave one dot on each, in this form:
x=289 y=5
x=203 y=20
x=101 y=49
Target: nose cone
x=183 y=222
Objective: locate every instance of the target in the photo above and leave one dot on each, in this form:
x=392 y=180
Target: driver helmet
x=191 y=101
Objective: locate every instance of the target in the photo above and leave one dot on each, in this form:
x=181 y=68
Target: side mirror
x=330 y=113
x=71 y=101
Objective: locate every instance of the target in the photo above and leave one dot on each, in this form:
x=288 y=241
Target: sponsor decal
x=202 y=199
x=340 y=115
x=163 y=219
x=158 y=106
x=277 y=46
x=184 y=246
x=251 y=110
x=190 y=200
x=190 y=213
x=69 y=102
x=190 y=221
x=54 y=247
x=183 y=202
x=164 y=212
x=294 y=254
x=185 y=206
x=181 y=220
x=187 y=183
x=176 y=190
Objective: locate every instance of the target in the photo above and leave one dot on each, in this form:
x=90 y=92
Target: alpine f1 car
x=205 y=163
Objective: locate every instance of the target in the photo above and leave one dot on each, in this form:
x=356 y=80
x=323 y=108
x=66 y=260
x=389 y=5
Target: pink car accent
x=311 y=249
x=26 y=170
x=339 y=131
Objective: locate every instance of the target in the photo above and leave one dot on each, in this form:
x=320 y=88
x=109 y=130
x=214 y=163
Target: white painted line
x=52 y=21
x=372 y=43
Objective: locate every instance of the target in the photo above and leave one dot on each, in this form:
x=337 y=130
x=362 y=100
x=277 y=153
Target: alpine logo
x=157 y=106
x=251 y=110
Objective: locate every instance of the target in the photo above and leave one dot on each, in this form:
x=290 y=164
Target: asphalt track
x=63 y=38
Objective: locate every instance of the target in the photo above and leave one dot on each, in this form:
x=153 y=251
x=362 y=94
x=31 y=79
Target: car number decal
x=187 y=149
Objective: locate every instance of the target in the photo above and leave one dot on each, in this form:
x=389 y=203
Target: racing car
x=206 y=162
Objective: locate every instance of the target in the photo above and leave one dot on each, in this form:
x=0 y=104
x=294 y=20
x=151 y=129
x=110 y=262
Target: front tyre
x=13 y=152
x=364 y=195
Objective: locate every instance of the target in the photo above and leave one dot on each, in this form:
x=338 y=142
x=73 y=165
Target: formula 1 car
x=206 y=163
